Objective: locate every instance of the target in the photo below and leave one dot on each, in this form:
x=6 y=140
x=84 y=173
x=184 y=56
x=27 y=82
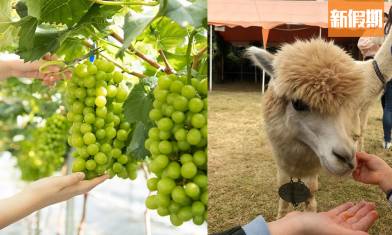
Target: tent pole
x=210 y=58
x=320 y=32
x=263 y=84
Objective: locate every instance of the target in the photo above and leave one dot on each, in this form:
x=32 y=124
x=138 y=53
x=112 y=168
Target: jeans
x=387 y=116
x=387 y=125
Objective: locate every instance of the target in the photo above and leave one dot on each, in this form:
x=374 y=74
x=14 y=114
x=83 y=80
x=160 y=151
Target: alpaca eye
x=300 y=106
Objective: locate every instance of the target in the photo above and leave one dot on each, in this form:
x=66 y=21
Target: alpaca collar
x=380 y=76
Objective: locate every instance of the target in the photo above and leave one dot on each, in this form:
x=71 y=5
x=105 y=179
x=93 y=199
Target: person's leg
x=383 y=102
x=387 y=115
x=387 y=125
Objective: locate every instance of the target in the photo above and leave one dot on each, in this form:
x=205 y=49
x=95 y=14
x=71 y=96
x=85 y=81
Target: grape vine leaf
x=8 y=31
x=28 y=26
x=67 y=12
x=138 y=105
x=72 y=48
x=42 y=44
x=168 y=35
x=136 y=147
x=33 y=45
x=177 y=61
x=135 y=24
x=98 y=16
x=185 y=12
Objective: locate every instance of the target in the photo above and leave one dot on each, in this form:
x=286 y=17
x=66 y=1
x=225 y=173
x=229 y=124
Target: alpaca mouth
x=333 y=171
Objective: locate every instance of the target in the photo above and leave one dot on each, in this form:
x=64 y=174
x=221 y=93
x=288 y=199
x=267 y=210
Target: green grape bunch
x=99 y=132
x=44 y=153
x=178 y=146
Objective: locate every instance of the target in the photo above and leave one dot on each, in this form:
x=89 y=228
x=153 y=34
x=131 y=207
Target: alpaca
x=374 y=87
x=308 y=111
x=317 y=108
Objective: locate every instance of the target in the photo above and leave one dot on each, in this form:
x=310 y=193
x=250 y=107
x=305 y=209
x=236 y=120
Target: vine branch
x=168 y=68
x=139 y=75
x=137 y=53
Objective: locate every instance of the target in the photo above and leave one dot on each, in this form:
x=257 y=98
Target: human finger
x=339 y=209
x=362 y=213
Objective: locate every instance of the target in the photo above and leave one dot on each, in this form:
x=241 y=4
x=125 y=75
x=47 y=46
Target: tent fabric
x=275 y=35
x=268 y=14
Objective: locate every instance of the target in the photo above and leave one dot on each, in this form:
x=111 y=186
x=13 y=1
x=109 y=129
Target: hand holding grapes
x=19 y=68
x=45 y=192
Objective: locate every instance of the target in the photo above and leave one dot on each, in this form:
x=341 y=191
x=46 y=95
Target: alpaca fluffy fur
x=328 y=80
x=319 y=73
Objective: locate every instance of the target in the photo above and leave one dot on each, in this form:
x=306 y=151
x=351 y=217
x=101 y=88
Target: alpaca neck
x=384 y=57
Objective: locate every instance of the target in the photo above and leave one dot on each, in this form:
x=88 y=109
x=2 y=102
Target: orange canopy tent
x=268 y=14
x=252 y=20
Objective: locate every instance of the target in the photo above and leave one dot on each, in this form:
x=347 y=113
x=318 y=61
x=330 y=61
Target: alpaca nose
x=345 y=157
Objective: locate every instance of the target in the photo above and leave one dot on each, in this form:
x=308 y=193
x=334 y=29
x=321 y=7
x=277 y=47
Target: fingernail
x=81 y=175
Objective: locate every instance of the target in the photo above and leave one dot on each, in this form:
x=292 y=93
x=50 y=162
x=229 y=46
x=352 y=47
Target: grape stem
x=135 y=3
x=168 y=68
x=188 y=55
x=138 y=53
x=139 y=75
x=197 y=58
x=83 y=218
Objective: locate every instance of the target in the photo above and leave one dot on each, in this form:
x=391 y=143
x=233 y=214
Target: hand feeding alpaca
x=308 y=111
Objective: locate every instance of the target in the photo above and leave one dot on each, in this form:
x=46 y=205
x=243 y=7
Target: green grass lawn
x=242 y=172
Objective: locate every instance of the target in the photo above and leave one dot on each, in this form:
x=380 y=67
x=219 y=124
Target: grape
x=165 y=147
x=198 y=208
x=89 y=138
x=177 y=143
x=188 y=170
x=99 y=130
x=100 y=158
x=165 y=124
x=192 y=190
x=185 y=213
x=152 y=184
x=155 y=114
x=42 y=153
x=198 y=120
x=200 y=158
x=193 y=137
x=195 y=105
x=175 y=220
x=78 y=165
x=166 y=185
x=90 y=165
x=177 y=116
x=163 y=200
x=198 y=219
x=201 y=181
x=188 y=91
x=163 y=211
x=151 y=202
x=100 y=101
x=178 y=195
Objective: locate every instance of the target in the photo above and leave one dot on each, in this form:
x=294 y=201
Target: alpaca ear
x=261 y=58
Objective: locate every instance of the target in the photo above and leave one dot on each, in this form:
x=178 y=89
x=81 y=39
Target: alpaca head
x=318 y=84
